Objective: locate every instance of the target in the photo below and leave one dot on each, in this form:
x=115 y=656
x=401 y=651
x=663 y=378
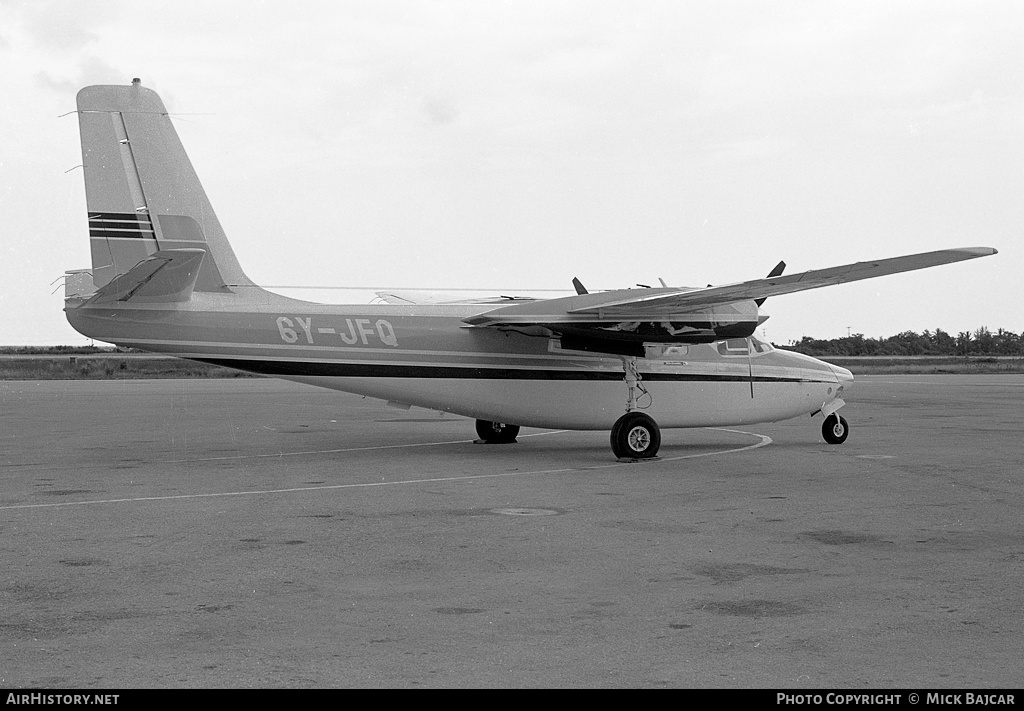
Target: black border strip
x=119 y=216
x=124 y=225
x=382 y=370
x=130 y=234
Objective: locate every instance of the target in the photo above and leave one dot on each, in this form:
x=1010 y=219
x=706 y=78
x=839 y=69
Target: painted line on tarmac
x=338 y=451
x=763 y=441
x=946 y=380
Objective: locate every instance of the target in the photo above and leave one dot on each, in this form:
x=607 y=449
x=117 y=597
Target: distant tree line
x=938 y=343
x=63 y=350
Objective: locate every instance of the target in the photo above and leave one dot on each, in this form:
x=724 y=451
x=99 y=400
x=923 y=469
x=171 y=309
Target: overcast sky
x=516 y=145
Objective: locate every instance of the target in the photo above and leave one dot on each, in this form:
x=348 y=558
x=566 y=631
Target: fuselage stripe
x=131 y=226
x=378 y=370
x=127 y=234
x=119 y=216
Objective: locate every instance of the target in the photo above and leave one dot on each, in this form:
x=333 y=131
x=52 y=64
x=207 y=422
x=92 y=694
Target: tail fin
x=142 y=194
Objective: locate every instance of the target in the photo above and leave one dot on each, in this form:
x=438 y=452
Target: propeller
x=750 y=365
x=777 y=271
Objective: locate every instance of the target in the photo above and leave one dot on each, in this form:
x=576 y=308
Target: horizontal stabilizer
x=168 y=276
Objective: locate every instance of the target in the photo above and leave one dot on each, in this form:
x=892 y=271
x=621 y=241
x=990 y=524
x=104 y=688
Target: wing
x=684 y=315
x=775 y=286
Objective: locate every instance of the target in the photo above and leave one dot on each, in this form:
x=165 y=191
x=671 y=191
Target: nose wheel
x=835 y=429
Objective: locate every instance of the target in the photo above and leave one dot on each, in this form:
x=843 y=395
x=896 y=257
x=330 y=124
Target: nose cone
x=844 y=376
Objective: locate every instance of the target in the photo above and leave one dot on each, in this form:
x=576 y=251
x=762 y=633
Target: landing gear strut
x=496 y=432
x=635 y=435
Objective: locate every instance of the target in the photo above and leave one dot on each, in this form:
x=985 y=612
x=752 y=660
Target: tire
x=835 y=429
x=496 y=432
x=635 y=436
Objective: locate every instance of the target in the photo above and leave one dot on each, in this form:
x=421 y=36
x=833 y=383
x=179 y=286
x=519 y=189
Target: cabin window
x=667 y=353
x=738 y=346
x=733 y=346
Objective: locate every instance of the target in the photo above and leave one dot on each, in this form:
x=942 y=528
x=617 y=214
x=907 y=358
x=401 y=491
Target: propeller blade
x=777 y=271
x=750 y=365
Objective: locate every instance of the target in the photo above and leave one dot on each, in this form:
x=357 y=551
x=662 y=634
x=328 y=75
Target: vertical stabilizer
x=142 y=194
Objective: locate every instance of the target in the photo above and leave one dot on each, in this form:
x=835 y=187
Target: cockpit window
x=760 y=346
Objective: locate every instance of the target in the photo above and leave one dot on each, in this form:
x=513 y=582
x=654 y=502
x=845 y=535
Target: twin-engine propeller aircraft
x=165 y=279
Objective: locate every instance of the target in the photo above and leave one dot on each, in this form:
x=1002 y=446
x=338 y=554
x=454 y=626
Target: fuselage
x=427 y=356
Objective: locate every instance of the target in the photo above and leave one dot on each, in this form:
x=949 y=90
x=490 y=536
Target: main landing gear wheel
x=635 y=436
x=496 y=432
x=835 y=429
